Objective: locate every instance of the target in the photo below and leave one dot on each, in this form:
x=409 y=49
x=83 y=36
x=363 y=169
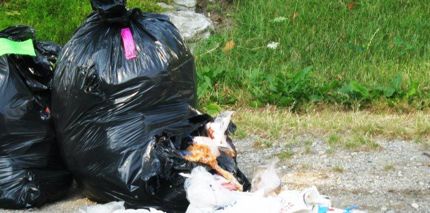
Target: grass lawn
x=353 y=53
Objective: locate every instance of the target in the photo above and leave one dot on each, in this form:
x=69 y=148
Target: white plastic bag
x=115 y=207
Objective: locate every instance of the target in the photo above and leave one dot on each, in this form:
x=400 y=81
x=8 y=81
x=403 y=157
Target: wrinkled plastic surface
x=267 y=181
x=217 y=199
x=207 y=194
x=121 y=122
x=31 y=172
x=115 y=207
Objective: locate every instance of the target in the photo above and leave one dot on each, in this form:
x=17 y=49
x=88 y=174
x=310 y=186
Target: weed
x=330 y=151
x=285 y=155
x=333 y=140
x=304 y=167
x=338 y=169
x=361 y=142
x=389 y=167
x=261 y=143
x=308 y=146
x=240 y=134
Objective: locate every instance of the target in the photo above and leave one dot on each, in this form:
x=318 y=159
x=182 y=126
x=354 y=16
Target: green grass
x=55 y=20
x=285 y=155
x=372 y=52
x=355 y=131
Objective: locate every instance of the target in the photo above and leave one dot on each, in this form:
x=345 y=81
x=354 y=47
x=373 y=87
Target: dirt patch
x=218 y=11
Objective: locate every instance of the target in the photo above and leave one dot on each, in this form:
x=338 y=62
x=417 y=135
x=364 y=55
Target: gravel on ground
x=394 y=178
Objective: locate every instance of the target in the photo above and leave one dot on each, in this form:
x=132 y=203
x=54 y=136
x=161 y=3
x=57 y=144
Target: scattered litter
x=206 y=149
x=279 y=19
x=350 y=209
x=267 y=181
x=218 y=199
x=115 y=207
x=229 y=46
x=216 y=193
x=415 y=206
x=273 y=45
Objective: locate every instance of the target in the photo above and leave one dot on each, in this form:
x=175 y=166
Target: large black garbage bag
x=31 y=172
x=120 y=121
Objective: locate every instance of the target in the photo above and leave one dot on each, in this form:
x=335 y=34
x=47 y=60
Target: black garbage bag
x=123 y=97
x=31 y=170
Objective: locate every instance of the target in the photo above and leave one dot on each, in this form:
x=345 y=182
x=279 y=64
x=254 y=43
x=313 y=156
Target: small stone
x=384 y=208
x=400 y=174
x=192 y=26
x=185 y=4
x=415 y=206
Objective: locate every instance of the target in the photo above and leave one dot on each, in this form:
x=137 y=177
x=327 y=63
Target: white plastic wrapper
x=205 y=192
x=207 y=195
x=217 y=129
x=115 y=207
x=266 y=181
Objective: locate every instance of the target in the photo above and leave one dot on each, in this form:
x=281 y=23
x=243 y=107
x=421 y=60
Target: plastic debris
x=273 y=45
x=217 y=132
x=206 y=150
x=415 y=206
x=115 y=207
x=267 y=181
x=218 y=199
x=279 y=19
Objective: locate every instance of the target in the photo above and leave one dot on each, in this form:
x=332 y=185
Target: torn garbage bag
x=31 y=172
x=123 y=98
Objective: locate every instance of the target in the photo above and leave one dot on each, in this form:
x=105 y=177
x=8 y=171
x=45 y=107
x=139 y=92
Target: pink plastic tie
x=128 y=43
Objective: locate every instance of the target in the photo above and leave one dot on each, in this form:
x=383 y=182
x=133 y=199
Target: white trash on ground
x=206 y=149
x=267 y=181
x=115 y=207
x=207 y=195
